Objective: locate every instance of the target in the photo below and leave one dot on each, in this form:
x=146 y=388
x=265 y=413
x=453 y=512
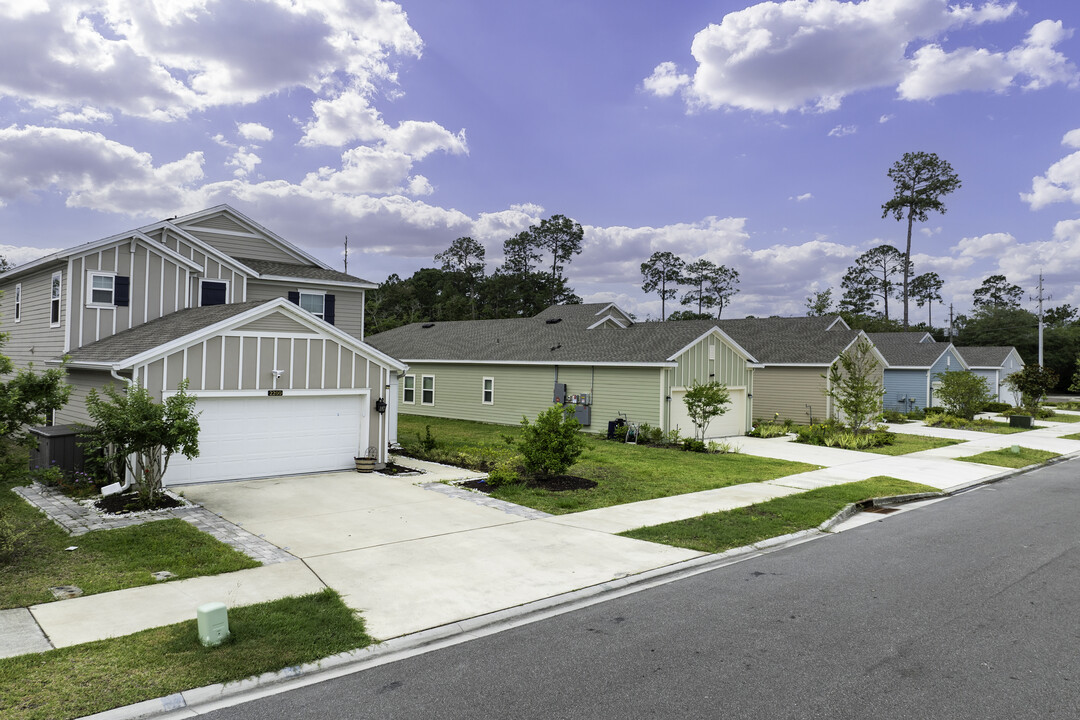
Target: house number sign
x=275 y=393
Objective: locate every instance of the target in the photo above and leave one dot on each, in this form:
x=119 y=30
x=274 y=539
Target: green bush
x=894 y=416
x=833 y=434
x=428 y=442
x=962 y=392
x=996 y=407
x=1042 y=412
x=505 y=472
x=552 y=443
x=11 y=535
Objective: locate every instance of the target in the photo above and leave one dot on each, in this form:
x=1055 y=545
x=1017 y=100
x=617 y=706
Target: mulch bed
x=555 y=483
x=131 y=502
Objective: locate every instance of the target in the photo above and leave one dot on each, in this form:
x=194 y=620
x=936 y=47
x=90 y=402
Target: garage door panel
x=245 y=437
x=732 y=422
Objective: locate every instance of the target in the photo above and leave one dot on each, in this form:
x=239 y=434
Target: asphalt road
x=967 y=608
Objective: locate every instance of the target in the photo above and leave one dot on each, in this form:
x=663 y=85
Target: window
x=488 y=396
x=54 y=301
x=99 y=289
x=314 y=303
x=18 y=302
x=213 y=292
x=408 y=389
x=427 y=390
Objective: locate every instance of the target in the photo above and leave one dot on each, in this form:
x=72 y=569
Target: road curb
x=198 y=701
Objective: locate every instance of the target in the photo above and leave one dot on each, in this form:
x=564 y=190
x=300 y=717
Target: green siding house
x=592 y=357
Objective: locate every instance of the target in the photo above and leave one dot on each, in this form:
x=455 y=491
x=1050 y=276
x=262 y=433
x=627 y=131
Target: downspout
x=116 y=488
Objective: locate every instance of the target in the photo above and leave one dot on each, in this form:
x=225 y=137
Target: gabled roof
x=909 y=355
x=909 y=336
x=789 y=340
x=558 y=335
x=988 y=357
x=270 y=270
x=166 y=334
x=193 y=219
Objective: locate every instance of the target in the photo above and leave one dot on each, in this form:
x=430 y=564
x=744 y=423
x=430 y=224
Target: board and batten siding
x=158 y=287
x=348 y=303
x=788 y=391
x=527 y=390
x=213 y=268
x=712 y=359
x=32 y=339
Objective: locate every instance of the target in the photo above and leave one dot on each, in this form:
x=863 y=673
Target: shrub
x=428 y=442
x=11 y=536
x=1032 y=382
x=505 y=472
x=722 y=447
x=50 y=477
x=996 y=407
x=694 y=445
x=894 y=416
x=962 y=392
x=552 y=443
x=768 y=430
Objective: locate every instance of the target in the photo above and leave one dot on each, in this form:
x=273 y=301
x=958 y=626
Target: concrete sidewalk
x=410 y=558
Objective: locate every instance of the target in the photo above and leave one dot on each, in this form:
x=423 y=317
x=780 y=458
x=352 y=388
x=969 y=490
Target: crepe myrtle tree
x=854 y=384
x=138 y=436
x=962 y=392
x=704 y=402
x=1032 y=382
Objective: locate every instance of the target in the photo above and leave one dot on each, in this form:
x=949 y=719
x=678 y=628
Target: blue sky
x=757 y=135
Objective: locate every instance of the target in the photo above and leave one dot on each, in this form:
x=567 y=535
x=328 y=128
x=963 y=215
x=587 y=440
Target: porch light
x=380 y=406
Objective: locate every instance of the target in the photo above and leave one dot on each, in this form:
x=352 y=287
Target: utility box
x=213 y=620
x=559 y=396
x=1021 y=421
x=57 y=445
x=583 y=413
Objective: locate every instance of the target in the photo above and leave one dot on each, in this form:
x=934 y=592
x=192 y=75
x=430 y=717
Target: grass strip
x=1007 y=458
x=1074 y=436
x=90 y=678
x=1062 y=418
x=903 y=444
x=624 y=473
x=717 y=532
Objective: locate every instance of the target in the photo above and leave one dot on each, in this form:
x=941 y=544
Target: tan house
x=270 y=340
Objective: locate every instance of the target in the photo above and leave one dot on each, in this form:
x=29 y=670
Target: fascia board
x=541 y=363
x=313 y=281
x=603 y=320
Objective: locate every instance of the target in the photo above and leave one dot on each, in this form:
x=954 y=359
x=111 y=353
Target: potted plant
x=366 y=462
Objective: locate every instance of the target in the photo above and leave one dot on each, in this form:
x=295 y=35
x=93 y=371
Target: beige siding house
x=268 y=338
x=592 y=358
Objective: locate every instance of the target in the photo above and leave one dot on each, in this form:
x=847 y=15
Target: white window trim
x=300 y=301
x=228 y=288
x=405 y=389
x=18 y=302
x=57 y=280
x=90 y=275
x=423 y=390
x=484 y=391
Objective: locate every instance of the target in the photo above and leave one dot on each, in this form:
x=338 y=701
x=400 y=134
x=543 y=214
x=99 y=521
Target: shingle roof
x=984 y=357
x=158 y=332
x=908 y=354
x=295 y=270
x=910 y=336
x=538 y=339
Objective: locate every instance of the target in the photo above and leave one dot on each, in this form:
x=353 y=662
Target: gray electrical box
x=559 y=395
x=583 y=413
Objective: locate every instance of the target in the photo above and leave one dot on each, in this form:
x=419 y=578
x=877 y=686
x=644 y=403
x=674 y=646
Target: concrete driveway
x=410 y=558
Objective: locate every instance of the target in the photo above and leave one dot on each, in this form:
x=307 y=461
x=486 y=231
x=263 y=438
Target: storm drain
x=881 y=510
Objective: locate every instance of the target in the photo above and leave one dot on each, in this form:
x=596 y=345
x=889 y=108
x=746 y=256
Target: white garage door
x=260 y=436
x=732 y=422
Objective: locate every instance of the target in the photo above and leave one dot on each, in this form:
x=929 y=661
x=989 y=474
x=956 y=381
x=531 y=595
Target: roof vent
x=428 y=325
x=552 y=321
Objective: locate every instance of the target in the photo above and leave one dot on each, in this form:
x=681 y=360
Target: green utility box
x=213 y=623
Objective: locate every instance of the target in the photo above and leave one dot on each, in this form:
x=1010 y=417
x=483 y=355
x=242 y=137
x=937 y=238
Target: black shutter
x=121 y=290
x=212 y=293
x=294 y=297
x=328 y=308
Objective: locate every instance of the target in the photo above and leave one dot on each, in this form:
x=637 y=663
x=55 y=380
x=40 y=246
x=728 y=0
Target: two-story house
x=270 y=340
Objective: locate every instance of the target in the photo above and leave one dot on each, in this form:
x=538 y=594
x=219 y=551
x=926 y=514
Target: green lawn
x=1074 y=436
x=1007 y=458
x=904 y=444
x=105 y=559
x=624 y=473
x=1062 y=418
x=94 y=677
x=717 y=532
x=988 y=426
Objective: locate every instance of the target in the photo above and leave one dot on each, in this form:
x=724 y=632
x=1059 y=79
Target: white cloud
x=255 y=131
x=244 y=161
x=419 y=185
x=666 y=80
x=930 y=231
x=1061 y=183
x=843 y=131
x=989 y=245
x=802 y=198
x=17 y=254
x=85 y=116
x=885 y=118
x=936 y=72
x=165 y=60
x=800 y=55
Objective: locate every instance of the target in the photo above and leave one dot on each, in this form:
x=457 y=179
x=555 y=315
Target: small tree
x=138 y=435
x=1032 y=382
x=855 y=385
x=1075 y=386
x=29 y=398
x=552 y=443
x=704 y=402
x=962 y=392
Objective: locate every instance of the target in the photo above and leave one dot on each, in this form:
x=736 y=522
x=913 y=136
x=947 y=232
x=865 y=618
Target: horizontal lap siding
x=905 y=383
x=519 y=390
x=634 y=392
x=81 y=382
x=31 y=339
x=787 y=391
